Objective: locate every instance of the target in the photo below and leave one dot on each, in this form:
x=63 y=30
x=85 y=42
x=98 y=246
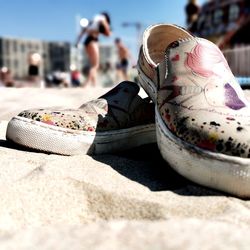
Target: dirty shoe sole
x=48 y=138
x=215 y=170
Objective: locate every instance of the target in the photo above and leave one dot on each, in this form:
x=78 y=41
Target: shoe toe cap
x=69 y=118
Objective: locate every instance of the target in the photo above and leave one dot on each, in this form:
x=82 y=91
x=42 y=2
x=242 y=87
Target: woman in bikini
x=99 y=25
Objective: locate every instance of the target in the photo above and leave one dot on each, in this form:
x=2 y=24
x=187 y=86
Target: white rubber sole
x=226 y=173
x=47 y=138
x=147 y=84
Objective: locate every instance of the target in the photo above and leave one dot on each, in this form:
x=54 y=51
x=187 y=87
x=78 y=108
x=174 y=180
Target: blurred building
x=57 y=56
x=76 y=58
x=14 y=53
x=227 y=23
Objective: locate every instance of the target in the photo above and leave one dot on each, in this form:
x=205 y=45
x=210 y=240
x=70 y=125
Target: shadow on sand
x=144 y=165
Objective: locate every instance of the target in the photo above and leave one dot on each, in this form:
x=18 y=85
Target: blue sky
x=55 y=19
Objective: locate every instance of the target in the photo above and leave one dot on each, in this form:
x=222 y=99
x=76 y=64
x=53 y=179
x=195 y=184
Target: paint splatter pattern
x=119 y=108
x=201 y=102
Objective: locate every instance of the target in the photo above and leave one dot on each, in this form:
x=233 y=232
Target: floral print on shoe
x=201 y=102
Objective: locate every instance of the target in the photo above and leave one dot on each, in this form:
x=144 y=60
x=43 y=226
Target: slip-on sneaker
x=116 y=121
x=202 y=115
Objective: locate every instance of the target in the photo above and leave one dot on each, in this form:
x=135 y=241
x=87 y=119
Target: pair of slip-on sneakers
x=199 y=113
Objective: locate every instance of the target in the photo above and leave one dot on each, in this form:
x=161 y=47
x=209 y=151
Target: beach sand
x=130 y=200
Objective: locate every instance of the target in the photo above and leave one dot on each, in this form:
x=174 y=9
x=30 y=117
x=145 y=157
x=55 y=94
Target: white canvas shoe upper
x=196 y=94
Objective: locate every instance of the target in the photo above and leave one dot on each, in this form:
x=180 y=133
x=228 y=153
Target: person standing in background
x=99 y=25
x=192 y=11
x=6 y=79
x=123 y=55
x=34 y=61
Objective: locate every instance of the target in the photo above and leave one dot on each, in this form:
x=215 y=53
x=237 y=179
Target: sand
x=131 y=200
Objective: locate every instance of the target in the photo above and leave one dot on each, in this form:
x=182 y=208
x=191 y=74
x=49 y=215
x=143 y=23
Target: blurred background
x=38 y=39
